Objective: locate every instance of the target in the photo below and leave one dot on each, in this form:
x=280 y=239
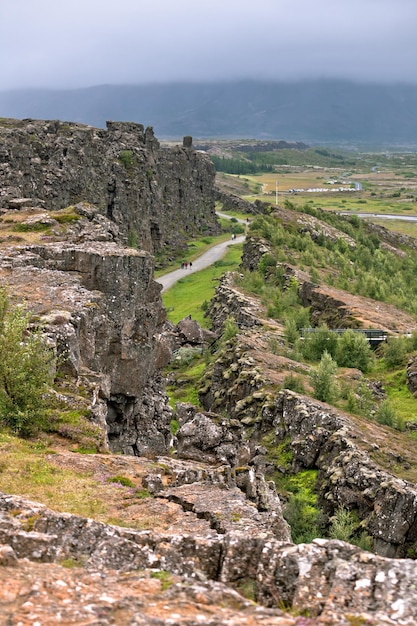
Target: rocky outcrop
x=334 y=582
x=330 y=441
x=412 y=375
x=315 y=227
x=339 y=446
x=390 y=239
x=102 y=310
x=158 y=197
x=253 y=251
x=339 y=309
x=231 y=202
x=230 y=303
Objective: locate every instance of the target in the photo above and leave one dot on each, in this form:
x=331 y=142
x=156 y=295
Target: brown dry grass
x=47 y=471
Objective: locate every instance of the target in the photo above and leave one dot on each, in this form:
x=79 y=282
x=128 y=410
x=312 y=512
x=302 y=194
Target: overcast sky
x=78 y=43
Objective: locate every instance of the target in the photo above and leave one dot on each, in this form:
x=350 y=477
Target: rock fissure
x=215 y=522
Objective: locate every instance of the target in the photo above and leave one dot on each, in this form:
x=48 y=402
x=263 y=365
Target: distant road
x=382 y=216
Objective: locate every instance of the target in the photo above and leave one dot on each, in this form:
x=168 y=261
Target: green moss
x=30 y=228
x=121 y=480
x=67 y=218
x=187 y=381
x=143 y=493
x=30 y=522
x=247 y=588
x=75 y=426
x=174 y=425
x=280 y=453
x=164 y=577
x=301 y=510
x=71 y=563
x=127 y=159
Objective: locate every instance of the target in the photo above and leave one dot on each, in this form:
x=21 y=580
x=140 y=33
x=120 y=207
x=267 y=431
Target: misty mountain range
x=317 y=112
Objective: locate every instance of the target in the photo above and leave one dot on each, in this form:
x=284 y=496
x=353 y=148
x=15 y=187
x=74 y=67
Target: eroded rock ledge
x=334 y=581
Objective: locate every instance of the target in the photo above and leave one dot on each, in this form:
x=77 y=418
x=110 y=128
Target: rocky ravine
x=217 y=529
x=343 y=449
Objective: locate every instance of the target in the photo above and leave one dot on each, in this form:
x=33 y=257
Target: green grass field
x=188 y=294
x=387 y=191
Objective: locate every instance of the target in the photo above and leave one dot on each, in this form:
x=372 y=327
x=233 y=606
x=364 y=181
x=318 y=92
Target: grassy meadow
x=188 y=295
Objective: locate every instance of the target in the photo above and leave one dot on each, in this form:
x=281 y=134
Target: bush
x=353 y=350
x=395 y=351
x=127 y=158
x=322 y=379
x=231 y=329
x=184 y=355
x=343 y=525
x=319 y=341
x=361 y=400
x=303 y=518
x=386 y=415
x=301 y=511
x=24 y=371
x=291 y=333
x=267 y=261
x=294 y=383
x=238 y=229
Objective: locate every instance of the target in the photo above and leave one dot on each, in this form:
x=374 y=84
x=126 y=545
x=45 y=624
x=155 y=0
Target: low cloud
x=80 y=43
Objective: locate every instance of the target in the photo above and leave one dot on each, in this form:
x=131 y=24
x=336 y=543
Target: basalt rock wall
x=102 y=311
x=157 y=196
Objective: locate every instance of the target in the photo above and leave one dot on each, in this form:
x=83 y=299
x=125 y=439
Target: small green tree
x=319 y=341
x=343 y=525
x=386 y=414
x=395 y=352
x=353 y=350
x=361 y=400
x=291 y=333
x=24 y=370
x=322 y=379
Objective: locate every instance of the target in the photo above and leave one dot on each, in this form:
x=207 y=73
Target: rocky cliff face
x=159 y=197
x=102 y=310
x=101 y=306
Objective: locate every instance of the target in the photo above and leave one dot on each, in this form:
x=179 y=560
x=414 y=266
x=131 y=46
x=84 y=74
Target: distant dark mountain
x=318 y=112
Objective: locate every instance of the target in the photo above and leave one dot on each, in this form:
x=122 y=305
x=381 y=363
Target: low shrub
x=25 y=371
